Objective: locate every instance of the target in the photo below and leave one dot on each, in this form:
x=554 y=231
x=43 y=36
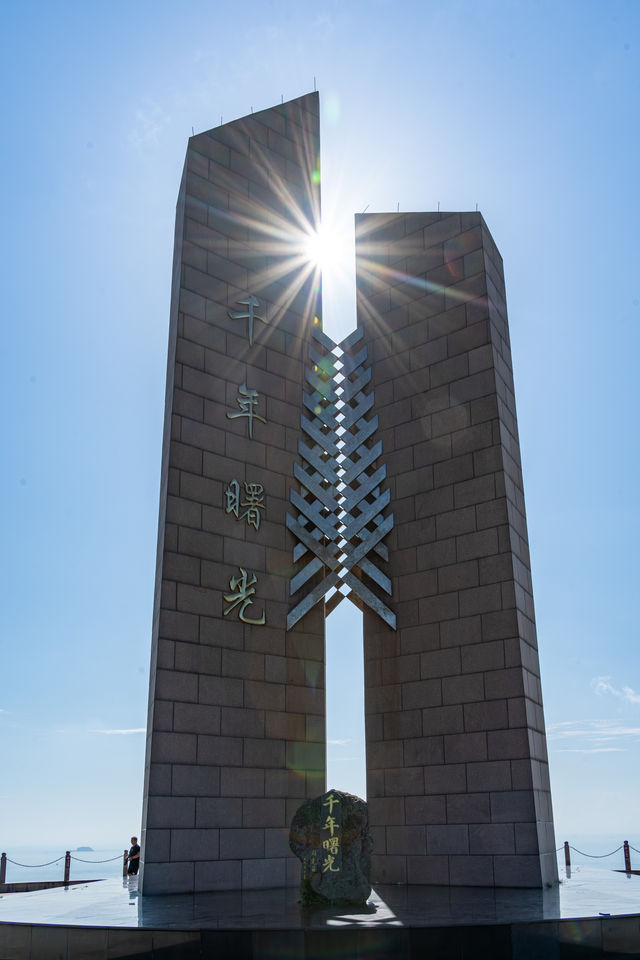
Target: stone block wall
x=457 y=773
x=236 y=734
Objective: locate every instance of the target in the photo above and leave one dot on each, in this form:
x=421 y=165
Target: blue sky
x=528 y=109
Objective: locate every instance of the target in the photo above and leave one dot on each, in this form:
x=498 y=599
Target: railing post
x=3 y=868
x=67 y=866
x=124 y=863
x=627 y=857
x=567 y=855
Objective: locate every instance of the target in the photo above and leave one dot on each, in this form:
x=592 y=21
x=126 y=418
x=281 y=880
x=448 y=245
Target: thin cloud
x=603 y=685
x=121 y=732
x=150 y=121
x=339 y=743
x=591 y=736
x=324 y=21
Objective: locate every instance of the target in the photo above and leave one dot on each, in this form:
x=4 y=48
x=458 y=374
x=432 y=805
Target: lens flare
x=325 y=248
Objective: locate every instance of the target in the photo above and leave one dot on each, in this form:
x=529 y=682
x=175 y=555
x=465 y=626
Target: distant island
x=84 y=850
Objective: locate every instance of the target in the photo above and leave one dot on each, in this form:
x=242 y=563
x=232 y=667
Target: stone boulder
x=330 y=835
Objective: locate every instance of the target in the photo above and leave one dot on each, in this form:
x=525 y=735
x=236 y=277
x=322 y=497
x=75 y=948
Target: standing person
x=133 y=858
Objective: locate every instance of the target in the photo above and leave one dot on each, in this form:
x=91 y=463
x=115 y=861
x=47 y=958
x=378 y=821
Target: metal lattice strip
x=339 y=512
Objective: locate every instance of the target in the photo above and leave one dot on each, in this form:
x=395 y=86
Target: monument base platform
x=592 y=913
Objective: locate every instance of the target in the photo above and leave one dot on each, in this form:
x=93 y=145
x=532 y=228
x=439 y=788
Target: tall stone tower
x=457 y=772
x=236 y=733
x=298 y=472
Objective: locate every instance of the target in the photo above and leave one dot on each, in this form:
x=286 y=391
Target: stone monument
x=330 y=836
x=298 y=472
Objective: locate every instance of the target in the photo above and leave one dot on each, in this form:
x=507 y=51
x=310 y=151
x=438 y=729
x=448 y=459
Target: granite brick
x=437 y=608
x=439 y=663
x=167 y=812
x=264 y=696
x=222 y=750
x=258 y=812
x=461 y=631
x=447 y=839
x=388 y=753
x=463 y=689
x=492 y=838
x=445 y=779
x=174 y=747
x=220 y=691
x=403 y=840
x=508 y=744
x=195 y=718
x=475 y=545
x=159 y=779
x=197 y=543
x=276 y=842
x=504 y=683
x=420 y=751
x=471 y=871
x=511 y=871
x=493 y=775
x=242 y=722
x=453 y=471
x=426 y=810
x=512 y=807
x=428 y=870
x=304 y=756
x=196 y=658
x=401 y=723
x=178 y=626
x=283 y=783
x=387 y=810
x=526 y=839
x=240 y=844
x=486 y=715
x=441 y=720
x=218 y=812
x=194 y=844
x=404 y=781
x=421 y=693
x=455 y=522
x=285 y=726
x=468 y=808
x=500 y=625
x=465 y=747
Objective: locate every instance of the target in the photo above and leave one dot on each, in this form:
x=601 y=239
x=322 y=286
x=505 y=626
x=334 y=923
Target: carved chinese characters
x=244 y=587
x=331 y=846
x=247 y=505
x=246 y=500
x=249 y=315
x=247 y=401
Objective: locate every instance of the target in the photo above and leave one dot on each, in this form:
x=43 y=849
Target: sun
x=325 y=248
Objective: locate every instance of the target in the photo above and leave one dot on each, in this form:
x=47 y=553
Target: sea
x=602 y=852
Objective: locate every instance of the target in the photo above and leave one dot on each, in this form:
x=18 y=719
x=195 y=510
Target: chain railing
x=625 y=847
x=109 y=860
x=67 y=857
x=16 y=864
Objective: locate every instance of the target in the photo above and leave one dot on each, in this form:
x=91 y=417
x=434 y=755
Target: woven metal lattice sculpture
x=339 y=521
